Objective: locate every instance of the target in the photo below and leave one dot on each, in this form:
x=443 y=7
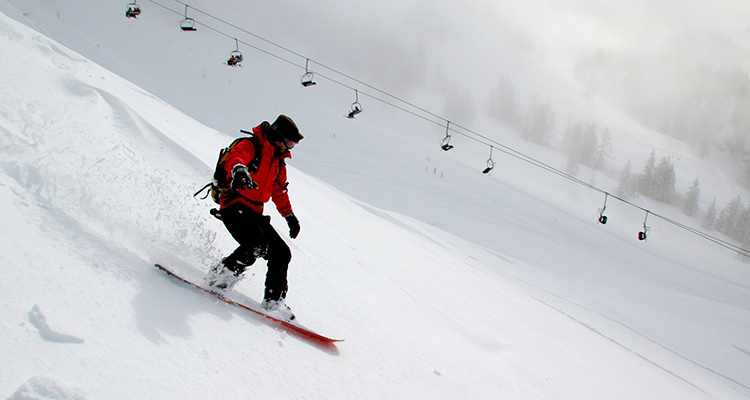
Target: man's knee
x=280 y=255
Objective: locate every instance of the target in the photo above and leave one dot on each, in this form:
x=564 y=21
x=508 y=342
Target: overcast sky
x=565 y=27
x=462 y=48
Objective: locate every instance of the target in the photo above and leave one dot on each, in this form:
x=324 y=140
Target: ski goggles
x=289 y=144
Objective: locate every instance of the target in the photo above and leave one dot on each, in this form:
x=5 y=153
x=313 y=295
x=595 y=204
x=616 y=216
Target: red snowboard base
x=288 y=326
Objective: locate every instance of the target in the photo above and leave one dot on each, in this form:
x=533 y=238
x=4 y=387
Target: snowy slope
x=97 y=177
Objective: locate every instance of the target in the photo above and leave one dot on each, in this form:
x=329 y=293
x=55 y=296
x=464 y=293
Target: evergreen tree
x=709 y=221
x=604 y=150
x=580 y=145
x=572 y=139
x=728 y=217
x=588 y=146
x=741 y=231
x=646 y=178
x=626 y=186
x=664 y=181
x=692 y=198
x=540 y=121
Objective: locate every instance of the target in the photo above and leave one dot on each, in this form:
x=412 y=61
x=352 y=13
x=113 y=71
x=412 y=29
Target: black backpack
x=219 y=187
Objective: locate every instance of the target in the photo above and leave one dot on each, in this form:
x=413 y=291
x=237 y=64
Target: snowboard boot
x=222 y=278
x=278 y=309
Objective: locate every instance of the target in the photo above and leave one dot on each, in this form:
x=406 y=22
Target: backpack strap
x=208 y=192
x=219 y=184
x=253 y=166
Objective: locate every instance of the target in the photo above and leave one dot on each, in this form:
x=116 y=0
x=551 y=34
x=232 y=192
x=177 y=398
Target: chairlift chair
x=187 y=24
x=133 y=11
x=235 y=57
x=307 y=79
x=356 y=107
x=490 y=163
x=490 y=166
x=644 y=235
x=602 y=217
x=445 y=144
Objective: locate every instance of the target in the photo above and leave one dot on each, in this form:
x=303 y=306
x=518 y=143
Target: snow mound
x=48 y=388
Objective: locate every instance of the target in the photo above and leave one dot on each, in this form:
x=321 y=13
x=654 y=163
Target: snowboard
x=288 y=326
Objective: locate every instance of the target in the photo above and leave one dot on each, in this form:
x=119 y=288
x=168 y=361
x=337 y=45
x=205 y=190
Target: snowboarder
x=254 y=181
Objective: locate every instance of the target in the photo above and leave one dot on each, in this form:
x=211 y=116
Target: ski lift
x=602 y=217
x=187 y=24
x=133 y=11
x=643 y=235
x=235 y=57
x=490 y=163
x=356 y=107
x=307 y=79
x=445 y=144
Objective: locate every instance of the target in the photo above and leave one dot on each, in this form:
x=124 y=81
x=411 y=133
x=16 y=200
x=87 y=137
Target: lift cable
x=433 y=118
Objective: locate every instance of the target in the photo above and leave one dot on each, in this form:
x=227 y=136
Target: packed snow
x=443 y=282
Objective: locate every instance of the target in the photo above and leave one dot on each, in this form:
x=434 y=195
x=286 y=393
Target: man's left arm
x=280 y=197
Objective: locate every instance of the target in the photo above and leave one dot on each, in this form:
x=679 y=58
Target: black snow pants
x=257 y=239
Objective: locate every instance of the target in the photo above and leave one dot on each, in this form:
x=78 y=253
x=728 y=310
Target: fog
x=680 y=67
x=566 y=28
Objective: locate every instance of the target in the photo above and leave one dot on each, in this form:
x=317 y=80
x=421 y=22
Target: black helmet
x=285 y=127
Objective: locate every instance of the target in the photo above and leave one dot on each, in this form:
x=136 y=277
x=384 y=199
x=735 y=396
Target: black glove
x=293 y=223
x=241 y=178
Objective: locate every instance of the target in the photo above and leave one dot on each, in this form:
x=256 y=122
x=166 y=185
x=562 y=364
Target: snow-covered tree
x=646 y=178
x=742 y=226
x=626 y=187
x=580 y=145
x=709 y=221
x=664 y=180
x=603 y=150
x=692 y=198
x=539 y=122
x=728 y=217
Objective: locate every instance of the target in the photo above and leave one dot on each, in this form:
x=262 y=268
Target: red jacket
x=270 y=175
